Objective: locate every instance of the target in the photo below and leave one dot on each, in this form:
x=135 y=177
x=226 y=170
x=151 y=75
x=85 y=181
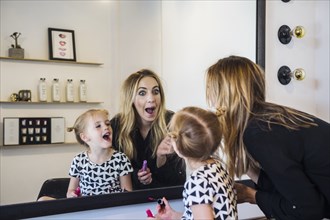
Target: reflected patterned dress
x=97 y=179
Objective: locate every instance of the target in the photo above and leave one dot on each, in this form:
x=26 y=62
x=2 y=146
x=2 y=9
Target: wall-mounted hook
x=284 y=74
x=285 y=33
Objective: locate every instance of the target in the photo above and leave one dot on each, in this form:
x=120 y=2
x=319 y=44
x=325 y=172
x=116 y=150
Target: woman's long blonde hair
x=129 y=116
x=236 y=87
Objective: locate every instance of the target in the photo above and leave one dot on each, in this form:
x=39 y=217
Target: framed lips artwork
x=61 y=44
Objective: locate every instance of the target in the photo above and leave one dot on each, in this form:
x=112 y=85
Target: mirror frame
x=60 y=206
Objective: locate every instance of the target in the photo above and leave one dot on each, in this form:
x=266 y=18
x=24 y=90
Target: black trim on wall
x=261 y=33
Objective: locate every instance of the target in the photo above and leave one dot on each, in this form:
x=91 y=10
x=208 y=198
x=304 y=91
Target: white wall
x=195 y=35
x=310 y=53
x=23 y=169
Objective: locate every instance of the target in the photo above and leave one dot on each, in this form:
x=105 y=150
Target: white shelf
x=40 y=145
x=48 y=103
x=49 y=61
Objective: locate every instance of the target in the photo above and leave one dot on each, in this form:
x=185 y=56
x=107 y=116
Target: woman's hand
x=164 y=148
x=245 y=193
x=145 y=177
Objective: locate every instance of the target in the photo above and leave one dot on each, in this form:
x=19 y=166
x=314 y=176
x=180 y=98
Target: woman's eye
x=156 y=91
x=98 y=126
x=142 y=93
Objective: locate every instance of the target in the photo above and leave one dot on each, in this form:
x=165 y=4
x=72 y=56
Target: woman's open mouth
x=150 y=110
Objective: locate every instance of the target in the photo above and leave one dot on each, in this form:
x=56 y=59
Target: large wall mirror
x=251 y=38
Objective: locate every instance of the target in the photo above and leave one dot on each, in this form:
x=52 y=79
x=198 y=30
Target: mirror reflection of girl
x=209 y=191
x=139 y=130
x=100 y=169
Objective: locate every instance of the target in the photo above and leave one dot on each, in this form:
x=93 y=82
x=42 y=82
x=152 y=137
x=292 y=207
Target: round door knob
x=285 y=33
x=285 y=75
x=299 y=74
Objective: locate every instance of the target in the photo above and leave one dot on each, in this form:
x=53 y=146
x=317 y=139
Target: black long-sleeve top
x=294 y=182
x=172 y=173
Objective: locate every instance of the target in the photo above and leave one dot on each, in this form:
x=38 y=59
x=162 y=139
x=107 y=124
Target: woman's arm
x=164 y=148
x=73 y=185
x=287 y=187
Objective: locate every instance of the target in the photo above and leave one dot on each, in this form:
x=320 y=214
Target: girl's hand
x=71 y=194
x=74 y=183
x=166 y=212
x=145 y=177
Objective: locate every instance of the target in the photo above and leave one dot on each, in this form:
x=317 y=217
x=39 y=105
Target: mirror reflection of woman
x=284 y=151
x=139 y=130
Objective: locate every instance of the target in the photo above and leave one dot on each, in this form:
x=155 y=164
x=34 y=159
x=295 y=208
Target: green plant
x=15 y=36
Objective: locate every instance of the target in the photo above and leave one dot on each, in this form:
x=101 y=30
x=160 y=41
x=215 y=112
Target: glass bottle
x=69 y=91
x=56 y=93
x=83 y=91
x=42 y=90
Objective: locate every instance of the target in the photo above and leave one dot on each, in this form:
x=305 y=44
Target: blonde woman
x=139 y=130
x=285 y=151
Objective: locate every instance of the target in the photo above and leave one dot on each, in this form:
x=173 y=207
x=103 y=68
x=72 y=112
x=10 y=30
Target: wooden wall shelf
x=49 y=61
x=49 y=103
x=40 y=145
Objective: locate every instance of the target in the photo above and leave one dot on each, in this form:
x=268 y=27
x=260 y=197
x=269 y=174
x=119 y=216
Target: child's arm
x=74 y=183
x=126 y=182
x=202 y=211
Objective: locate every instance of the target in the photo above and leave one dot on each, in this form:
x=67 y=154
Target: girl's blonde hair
x=129 y=117
x=236 y=87
x=81 y=122
x=197 y=133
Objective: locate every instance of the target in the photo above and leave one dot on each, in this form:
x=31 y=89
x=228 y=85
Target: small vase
x=16 y=52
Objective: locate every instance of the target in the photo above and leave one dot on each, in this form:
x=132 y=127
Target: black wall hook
x=284 y=34
x=284 y=75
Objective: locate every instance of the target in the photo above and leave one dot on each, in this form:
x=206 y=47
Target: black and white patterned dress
x=95 y=179
x=210 y=184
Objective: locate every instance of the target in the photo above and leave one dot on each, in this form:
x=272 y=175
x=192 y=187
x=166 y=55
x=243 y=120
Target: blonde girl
x=100 y=169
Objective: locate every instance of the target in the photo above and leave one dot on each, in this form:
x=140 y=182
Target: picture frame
x=61 y=44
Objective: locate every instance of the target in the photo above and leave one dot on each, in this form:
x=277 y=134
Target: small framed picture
x=61 y=44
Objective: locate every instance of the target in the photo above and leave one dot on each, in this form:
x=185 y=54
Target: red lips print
x=62 y=43
x=62 y=35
